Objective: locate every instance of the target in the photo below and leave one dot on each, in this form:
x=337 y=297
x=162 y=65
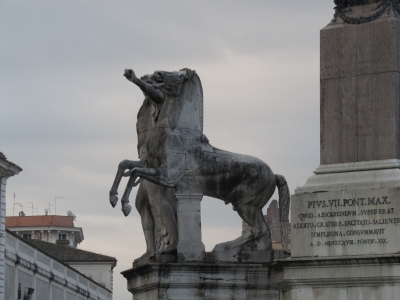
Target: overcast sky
x=68 y=116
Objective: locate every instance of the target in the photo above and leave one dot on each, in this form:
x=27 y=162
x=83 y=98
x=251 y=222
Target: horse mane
x=192 y=75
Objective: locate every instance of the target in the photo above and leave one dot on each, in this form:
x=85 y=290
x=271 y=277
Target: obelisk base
x=341 y=278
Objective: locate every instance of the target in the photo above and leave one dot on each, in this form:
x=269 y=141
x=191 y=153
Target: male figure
x=155 y=204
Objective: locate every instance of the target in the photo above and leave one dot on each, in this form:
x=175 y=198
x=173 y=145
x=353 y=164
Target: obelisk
x=345 y=221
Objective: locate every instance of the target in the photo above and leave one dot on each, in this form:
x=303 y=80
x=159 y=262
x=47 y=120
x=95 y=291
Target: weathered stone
x=378 y=135
x=353 y=222
x=273 y=221
x=248 y=256
x=338 y=51
x=360 y=91
x=175 y=153
x=338 y=120
x=377 y=46
x=204 y=281
x=190 y=247
x=345 y=278
x=163 y=258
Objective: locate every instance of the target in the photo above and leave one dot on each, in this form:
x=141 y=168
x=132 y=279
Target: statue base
x=251 y=276
x=341 y=278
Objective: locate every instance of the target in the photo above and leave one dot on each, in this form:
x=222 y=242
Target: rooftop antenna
x=21 y=214
x=55 y=203
x=36 y=211
x=31 y=206
x=14 y=205
x=49 y=204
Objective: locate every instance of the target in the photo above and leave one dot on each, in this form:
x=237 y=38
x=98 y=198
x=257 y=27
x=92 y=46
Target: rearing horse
x=180 y=156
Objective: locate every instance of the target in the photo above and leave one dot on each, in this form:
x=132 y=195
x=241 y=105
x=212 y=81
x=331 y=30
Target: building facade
x=7 y=170
x=27 y=267
x=48 y=228
x=38 y=256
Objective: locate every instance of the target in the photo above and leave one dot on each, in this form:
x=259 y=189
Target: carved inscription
x=346 y=222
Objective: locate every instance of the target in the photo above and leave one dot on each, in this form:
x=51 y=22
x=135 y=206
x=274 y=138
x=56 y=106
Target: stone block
x=338 y=51
x=345 y=223
x=360 y=118
x=348 y=50
x=378 y=116
x=338 y=120
x=378 y=47
x=373 y=174
x=253 y=257
x=204 y=281
x=190 y=246
x=360 y=86
x=350 y=278
x=163 y=258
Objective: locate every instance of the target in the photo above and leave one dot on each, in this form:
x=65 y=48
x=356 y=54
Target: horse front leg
x=132 y=182
x=123 y=165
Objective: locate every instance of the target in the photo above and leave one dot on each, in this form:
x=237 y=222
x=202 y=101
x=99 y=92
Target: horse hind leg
x=257 y=238
x=261 y=236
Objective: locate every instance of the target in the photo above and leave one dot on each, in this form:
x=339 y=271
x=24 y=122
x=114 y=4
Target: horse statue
x=180 y=156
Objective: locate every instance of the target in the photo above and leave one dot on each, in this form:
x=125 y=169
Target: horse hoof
x=126 y=209
x=113 y=199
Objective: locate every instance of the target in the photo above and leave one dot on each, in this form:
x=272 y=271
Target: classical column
x=190 y=246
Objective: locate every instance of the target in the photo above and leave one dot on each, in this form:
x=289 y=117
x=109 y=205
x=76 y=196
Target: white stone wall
x=50 y=279
x=3 y=182
x=99 y=272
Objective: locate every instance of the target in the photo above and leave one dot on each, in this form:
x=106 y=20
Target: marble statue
x=176 y=154
x=156 y=204
x=346 y=3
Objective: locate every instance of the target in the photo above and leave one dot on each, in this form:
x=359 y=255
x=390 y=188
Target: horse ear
x=189 y=74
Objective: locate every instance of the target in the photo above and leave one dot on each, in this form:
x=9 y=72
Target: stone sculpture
x=346 y=3
x=178 y=155
x=364 y=11
x=156 y=204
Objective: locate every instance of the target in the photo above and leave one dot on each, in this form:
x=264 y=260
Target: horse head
x=171 y=82
x=184 y=105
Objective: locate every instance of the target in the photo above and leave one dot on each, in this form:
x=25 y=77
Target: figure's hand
x=130 y=75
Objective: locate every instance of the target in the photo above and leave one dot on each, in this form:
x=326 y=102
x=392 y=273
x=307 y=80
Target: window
x=26 y=235
x=62 y=236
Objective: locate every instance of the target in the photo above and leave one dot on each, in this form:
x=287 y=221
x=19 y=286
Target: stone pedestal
x=346 y=218
x=190 y=246
x=199 y=281
x=341 y=278
x=350 y=206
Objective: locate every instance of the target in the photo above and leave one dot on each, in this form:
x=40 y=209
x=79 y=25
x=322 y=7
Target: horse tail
x=284 y=205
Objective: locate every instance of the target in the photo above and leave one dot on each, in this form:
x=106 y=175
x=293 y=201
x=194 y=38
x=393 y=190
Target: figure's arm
x=155 y=94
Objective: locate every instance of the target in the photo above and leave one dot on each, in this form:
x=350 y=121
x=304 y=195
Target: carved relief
x=362 y=11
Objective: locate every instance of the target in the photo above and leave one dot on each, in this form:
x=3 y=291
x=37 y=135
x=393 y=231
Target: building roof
x=36 y=221
x=8 y=168
x=68 y=254
x=4 y=158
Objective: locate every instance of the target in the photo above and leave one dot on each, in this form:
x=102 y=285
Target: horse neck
x=196 y=78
